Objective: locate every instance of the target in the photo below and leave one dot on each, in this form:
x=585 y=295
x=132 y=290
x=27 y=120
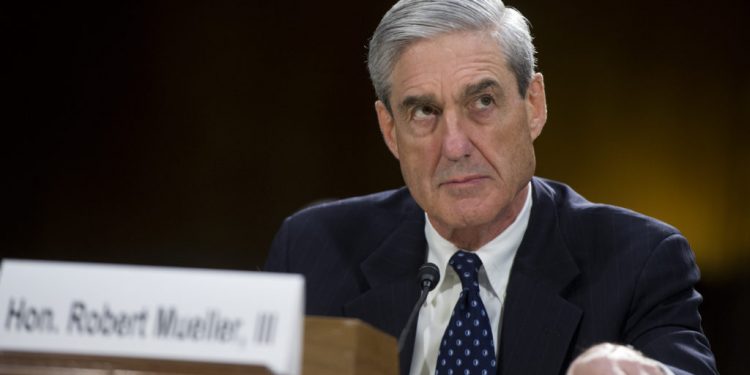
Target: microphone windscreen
x=429 y=275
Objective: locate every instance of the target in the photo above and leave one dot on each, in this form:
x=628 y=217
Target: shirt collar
x=497 y=255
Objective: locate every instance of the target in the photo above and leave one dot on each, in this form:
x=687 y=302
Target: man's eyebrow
x=480 y=86
x=416 y=100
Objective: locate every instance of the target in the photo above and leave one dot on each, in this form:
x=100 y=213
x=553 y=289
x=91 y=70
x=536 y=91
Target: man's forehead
x=453 y=44
x=457 y=59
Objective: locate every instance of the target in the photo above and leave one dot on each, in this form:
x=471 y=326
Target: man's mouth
x=464 y=180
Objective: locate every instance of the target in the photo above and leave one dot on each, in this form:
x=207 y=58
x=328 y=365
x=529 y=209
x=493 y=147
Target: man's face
x=461 y=131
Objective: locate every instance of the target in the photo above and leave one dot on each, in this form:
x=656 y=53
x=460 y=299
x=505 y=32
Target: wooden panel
x=347 y=346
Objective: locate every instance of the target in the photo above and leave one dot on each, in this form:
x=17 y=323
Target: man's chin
x=463 y=216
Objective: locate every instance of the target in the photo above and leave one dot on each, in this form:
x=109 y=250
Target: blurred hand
x=613 y=359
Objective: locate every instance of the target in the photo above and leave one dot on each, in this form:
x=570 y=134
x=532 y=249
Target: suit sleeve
x=664 y=322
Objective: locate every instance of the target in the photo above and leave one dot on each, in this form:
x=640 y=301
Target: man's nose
x=456 y=141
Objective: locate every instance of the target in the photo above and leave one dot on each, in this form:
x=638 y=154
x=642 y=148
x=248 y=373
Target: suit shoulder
x=352 y=223
x=328 y=241
x=394 y=203
x=579 y=218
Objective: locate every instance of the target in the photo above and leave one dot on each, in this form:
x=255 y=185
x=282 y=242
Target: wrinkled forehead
x=449 y=58
x=490 y=38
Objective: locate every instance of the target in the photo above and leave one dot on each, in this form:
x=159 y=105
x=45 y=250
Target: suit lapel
x=391 y=272
x=538 y=324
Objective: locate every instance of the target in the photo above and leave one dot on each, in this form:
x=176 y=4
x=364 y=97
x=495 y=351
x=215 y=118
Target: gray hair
x=412 y=20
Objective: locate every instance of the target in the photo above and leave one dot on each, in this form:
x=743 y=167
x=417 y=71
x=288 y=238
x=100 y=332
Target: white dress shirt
x=497 y=257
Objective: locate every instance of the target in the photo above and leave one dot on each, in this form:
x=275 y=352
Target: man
x=532 y=274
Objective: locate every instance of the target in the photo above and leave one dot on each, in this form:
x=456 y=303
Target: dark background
x=181 y=134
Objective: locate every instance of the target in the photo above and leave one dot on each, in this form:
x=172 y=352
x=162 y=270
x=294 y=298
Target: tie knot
x=466 y=265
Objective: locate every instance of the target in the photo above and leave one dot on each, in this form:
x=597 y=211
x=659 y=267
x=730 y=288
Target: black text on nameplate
x=265 y=328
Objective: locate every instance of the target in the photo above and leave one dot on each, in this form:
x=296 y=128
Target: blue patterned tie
x=467 y=346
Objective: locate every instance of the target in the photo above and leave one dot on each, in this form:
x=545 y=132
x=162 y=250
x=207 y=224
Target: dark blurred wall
x=176 y=133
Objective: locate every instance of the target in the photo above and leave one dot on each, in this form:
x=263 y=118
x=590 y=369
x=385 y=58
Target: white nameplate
x=153 y=312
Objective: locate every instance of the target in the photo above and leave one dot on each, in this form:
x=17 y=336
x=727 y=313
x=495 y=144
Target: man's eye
x=424 y=112
x=484 y=102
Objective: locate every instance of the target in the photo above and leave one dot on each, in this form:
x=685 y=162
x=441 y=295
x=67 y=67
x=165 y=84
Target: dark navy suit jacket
x=584 y=274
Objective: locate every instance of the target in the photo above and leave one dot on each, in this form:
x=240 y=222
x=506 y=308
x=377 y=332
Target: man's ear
x=536 y=105
x=387 y=127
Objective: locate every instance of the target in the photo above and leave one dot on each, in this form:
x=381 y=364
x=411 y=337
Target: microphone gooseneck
x=428 y=277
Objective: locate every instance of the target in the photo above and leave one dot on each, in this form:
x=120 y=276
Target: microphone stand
x=429 y=275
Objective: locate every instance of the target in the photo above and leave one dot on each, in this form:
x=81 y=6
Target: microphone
x=428 y=277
